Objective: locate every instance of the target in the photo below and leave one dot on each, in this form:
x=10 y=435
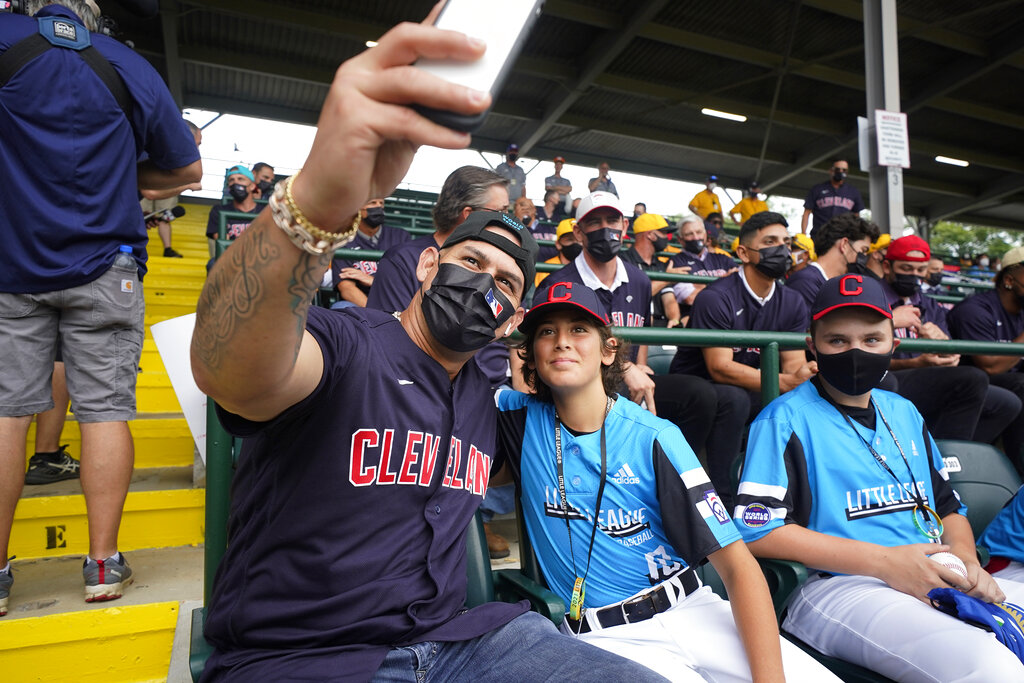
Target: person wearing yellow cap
x=650 y=237
x=876 y=254
x=802 y=252
x=567 y=245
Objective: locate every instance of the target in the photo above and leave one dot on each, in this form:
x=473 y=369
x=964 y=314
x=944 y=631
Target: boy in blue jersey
x=845 y=478
x=620 y=511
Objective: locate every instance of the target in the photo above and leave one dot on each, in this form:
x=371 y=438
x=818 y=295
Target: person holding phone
x=334 y=567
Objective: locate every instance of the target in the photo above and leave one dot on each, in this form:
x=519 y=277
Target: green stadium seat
x=659 y=358
x=982 y=475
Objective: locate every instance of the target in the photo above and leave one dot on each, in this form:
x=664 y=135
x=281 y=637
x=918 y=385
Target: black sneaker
x=46 y=468
x=170 y=253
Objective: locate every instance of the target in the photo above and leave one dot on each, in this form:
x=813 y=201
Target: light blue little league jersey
x=1004 y=536
x=805 y=465
x=652 y=475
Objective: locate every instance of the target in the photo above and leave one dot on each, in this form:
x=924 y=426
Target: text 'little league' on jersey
x=375 y=460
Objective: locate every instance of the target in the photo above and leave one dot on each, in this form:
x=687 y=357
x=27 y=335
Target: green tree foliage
x=959 y=240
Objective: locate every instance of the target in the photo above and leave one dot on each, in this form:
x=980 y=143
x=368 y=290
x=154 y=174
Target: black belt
x=636 y=609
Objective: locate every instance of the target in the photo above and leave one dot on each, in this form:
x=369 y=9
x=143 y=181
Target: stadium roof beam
x=1004 y=187
x=940 y=85
x=599 y=57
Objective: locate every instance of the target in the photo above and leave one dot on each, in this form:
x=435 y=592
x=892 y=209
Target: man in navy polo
x=831 y=198
x=955 y=399
x=353 y=279
x=749 y=299
x=625 y=291
x=74 y=253
x=842 y=245
x=698 y=257
x=998 y=315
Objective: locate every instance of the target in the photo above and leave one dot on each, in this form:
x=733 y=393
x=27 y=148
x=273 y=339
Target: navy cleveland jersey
x=705 y=263
x=982 y=317
x=805 y=465
x=807 y=282
x=826 y=200
x=349 y=510
x=728 y=304
x=395 y=283
x=233 y=226
x=931 y=312
x=659 y=512
x=386 y=237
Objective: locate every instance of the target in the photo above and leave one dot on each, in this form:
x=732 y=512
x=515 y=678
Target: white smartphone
x=504 y=27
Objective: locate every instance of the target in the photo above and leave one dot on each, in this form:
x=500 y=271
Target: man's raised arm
x=250 y=350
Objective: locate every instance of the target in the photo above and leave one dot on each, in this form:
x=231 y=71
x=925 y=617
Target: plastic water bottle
x=124 y=257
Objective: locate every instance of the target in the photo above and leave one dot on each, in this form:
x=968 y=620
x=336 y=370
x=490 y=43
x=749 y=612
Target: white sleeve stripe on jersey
x=695 y=477
x=757 y=490
x=497 y=401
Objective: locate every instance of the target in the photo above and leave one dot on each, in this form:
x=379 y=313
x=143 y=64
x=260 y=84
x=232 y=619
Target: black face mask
x=906 y=285
x=838 y=176
x=935 y=279
x=238 y=192
x=860 y=266
x=266 y=188
x=513 y=157
x=463 y=309
x=693 y=246
x=660 y=243
x=604 y=244
x=571 y=251
x=374 y=216
x=775 y=261
x=854 y=372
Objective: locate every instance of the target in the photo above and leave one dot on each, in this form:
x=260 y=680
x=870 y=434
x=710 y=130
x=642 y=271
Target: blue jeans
x=529 y=648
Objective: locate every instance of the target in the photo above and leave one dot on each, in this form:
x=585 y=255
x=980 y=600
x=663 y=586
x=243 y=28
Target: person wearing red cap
x=998 y=315
x=845 y=478
x=955 y=400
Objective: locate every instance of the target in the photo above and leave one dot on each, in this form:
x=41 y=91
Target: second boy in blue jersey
x=845 y=478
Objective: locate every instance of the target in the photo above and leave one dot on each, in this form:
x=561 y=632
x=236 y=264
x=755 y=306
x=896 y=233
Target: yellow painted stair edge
x=131 y=643
x=56 y=526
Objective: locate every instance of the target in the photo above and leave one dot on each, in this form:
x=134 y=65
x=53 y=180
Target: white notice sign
x=893 y=139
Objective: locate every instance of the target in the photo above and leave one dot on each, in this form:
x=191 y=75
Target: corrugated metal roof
x=966 y=59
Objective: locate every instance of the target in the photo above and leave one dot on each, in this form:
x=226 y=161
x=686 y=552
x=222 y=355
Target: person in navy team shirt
x=625 y=292
x=368 y=443
x=632 y=482
x=998 y=315
x=698 y=256
x=831 y=198
x=845 y=478
x=749 y=299
x=353 y=279
x=955 y=399
x=841 y=245
x=69 y=212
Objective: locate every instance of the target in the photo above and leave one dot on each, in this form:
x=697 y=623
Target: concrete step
x=162 y=509
x=52 y=634
x=161 y=440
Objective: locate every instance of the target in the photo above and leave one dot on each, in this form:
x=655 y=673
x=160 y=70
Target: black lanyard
x=931 y=529
x=578 y=588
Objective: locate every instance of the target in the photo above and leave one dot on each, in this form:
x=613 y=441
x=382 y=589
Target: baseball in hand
x=950 y=561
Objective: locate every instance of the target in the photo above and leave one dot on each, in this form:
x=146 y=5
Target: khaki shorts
x=100 y=328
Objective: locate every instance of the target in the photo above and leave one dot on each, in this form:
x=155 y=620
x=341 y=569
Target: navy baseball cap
x=475 y=228
x=712 y=179
x=850 y=290
x=564 y=295
x=512 y=147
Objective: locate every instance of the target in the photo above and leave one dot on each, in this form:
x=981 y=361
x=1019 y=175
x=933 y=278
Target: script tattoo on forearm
x=231 y=296
x=306 y=278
